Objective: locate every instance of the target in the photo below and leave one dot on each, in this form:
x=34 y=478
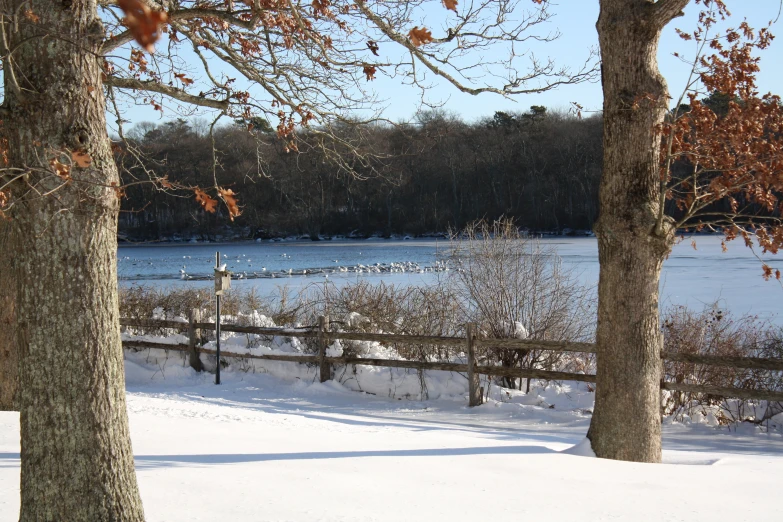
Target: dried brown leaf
x=209 y=203
x=420 y=37
x=61 y=169
x=184 y=79
x=144 y=23
x=451 y=5
x=118 y=190
x=228 y=196
x=81 y=159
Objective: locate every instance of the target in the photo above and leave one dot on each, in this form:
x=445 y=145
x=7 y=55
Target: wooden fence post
x=193 y=339
x=324 y=367
x=475 y=397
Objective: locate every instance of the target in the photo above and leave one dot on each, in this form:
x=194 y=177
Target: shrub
x=513 y=286
x=717 y=332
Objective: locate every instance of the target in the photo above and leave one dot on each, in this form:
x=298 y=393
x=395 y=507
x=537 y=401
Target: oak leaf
x=451 y=5
x=321 y=7
x=420 y=37
x=372 y=45
x=62 y=170
x=81 y=159
x=144 y=23
x=30 y=15
x=369 y=71
x=208 y=202
x=682 y=34
x=228 y=196
x=118 y=190
x=184 y=79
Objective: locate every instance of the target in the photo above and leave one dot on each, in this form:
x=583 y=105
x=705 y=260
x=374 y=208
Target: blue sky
x=575 y=19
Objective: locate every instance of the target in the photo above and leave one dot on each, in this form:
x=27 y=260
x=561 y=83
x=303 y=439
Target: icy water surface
x=690 y=276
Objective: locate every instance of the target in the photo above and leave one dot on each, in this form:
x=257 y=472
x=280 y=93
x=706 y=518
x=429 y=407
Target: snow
x=581 y=449
x=272 y=443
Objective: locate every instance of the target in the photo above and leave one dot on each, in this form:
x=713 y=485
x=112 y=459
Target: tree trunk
x=626 y=424
x=9 y=360
x=77 y=462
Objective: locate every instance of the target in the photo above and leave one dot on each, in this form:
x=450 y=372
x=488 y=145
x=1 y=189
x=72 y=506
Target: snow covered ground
x=272 y=448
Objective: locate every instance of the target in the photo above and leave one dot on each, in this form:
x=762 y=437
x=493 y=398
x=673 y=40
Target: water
x=691 y=277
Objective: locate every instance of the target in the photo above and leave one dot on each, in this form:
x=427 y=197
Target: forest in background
x=539 y=167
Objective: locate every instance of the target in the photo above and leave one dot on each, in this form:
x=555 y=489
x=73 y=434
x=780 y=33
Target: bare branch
x=172 y=92
x=664 y=11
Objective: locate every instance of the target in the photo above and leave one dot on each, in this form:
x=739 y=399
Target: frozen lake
x=692 y=277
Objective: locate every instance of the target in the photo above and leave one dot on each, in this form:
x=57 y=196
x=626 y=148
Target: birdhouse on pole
x=222 y=280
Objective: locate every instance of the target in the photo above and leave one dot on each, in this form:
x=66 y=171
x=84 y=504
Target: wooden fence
x=471 y=344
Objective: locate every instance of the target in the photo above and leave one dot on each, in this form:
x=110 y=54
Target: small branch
x=664 y=11
x=172 y=92
x=428 y=60
x=692 y=78
x=7 y=58
x=124 y=37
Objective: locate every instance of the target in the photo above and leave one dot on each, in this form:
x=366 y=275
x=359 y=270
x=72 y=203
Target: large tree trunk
x=77 y=462
x=9 y=361
x=626 y=424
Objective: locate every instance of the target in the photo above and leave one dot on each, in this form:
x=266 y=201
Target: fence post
x=193 y=337
x=324 y=367
x=475 y=396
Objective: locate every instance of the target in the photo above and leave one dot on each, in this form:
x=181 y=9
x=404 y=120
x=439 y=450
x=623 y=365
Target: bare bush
x=717 y=332
x=144 y=302
x=387 y=308
x=514 y=287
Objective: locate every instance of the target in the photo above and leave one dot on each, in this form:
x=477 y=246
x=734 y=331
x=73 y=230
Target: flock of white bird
x=241 y=265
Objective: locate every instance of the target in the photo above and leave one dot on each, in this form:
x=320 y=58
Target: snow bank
x=172 y=367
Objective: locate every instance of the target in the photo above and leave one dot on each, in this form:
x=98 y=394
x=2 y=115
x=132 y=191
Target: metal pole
x=217 y=323
x=325 y=368
x=475 y=395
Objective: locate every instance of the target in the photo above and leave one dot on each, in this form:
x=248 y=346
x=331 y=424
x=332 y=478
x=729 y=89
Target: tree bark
x=9 y=361
x=77 y=462
x=626 y=424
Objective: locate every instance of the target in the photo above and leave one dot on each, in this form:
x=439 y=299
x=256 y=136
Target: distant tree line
x=539 y=167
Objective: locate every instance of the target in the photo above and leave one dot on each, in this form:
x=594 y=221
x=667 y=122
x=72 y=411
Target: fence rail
x=471 y=343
